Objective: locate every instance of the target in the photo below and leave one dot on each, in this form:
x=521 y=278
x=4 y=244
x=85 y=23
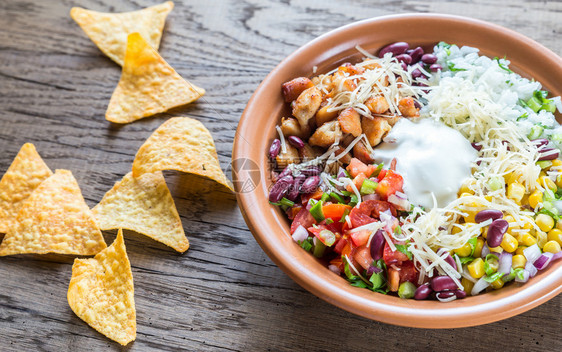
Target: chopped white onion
x=300 y=234
x=525 y=277
x=485 y=251
x=531 y=269
x=506 y=260
x=448 y=299
x=532 y=253
x=479 y=286
x=401 y=203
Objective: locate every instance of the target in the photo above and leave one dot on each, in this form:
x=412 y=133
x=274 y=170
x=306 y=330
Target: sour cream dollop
x=431 y=157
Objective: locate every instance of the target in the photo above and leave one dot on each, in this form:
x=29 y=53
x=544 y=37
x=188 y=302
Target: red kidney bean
x=294 y=191
x=415 y=54
x=417 y=104
x=451 y=261
x=404 y=66
x=540 y=142
x=274 y=149
x=296 y=142
x=476 y=146
x=416 y=73
x=405 y=58
x=496 y=230
x=443 y=283
x=422 y=292
x=429 y=59
x=377 y=245
x=280 y=188
x=394 y=48
x=486 y=214
x=311 y=171
x=286 y=171
x=435 y=67
x=550 y=155
x=310 y=184
x=460 y=294
x=445 y=294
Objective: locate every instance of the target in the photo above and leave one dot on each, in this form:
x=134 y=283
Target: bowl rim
x=380 y=307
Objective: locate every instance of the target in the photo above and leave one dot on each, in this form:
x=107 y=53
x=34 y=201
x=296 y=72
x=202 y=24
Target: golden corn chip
x=101 y=292
x=181 y=144
x=54 y=219
x=109 y=31
x=148 y=85
x=144 y=205
x=24 y=175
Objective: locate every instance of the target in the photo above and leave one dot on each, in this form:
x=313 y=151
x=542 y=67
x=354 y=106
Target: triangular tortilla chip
x=181 y=144
x=109 y=31
x=148 y=85
x=54 y=219
x=24 y=175
x=101 y=292
x=144 y=205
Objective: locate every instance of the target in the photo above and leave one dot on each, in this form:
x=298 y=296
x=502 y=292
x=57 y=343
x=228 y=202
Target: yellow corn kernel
x=556 y=162
x=559 y=225
x=464 y=251
x=455 y=230
x=476 y=268
x=551 y=246
x=467 y=284
x=518 y=261
x=541 y=238
x=466 y=194
x=528 y=222
x=546 y=182
x=509 y=243
x=541 y=174
x=515 y=191
x=555 y=235
x=544 y=222
x=535 y=198
x=478 y=247
x=559 y=181
x=520 y=250
x=464 y=189
x=497 y=284
x=528 y=240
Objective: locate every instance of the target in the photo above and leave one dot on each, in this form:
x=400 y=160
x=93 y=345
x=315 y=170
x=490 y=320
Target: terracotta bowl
x=270 y=226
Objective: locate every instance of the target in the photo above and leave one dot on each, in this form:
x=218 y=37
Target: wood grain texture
x=224 y=293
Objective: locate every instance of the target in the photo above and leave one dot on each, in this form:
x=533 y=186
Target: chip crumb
x=101 y=292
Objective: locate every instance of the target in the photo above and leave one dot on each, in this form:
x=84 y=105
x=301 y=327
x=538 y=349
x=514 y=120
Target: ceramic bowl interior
x=270 y=226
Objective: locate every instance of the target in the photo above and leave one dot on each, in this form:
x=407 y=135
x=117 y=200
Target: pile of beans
x=412 y=57
x=289 y=185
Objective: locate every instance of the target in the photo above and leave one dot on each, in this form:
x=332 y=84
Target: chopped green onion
x=534 y=104
x=519 y=273
x=319 y=249
x=544 y=164
x=524 y=116
x=444 y=45
x=284 y=201
x=491 y=264
x=523 y=104
x=492 y=277
x=540 y=95
x=495 y=183
x=377 y=170
x=368 y=187
x=353 y=200
x=325 y=197
x=406 y=290
x=536 y=132
x=510 y=276
x=329 y=221
x=502 y=65
x=472 y=243
x=556 y=137
x=316 y=211
x=452 y=67
x=327 y=237
x=465 y=260
x=337 y=197
x=347 y=193
x=345 y=214
x=549 y=106
x=306 y=244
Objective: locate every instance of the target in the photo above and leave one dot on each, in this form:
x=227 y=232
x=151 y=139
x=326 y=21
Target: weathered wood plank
x=224 y=293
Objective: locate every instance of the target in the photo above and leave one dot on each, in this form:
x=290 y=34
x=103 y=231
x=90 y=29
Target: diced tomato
x=360 y=238
x=363 y=257
x=335 y=211
x=340 y=244
x=359 y=219
x=390 y=257
x=327 y=237
x=303 y=218
x=390 y=184
x=357 y=181
x=307 y=196
x=408 y=272
x=381 y=175
x=292 y=212
x=375 y=207
x=357 y=167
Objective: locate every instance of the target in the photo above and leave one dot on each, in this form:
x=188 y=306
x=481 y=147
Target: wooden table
x=224 y=293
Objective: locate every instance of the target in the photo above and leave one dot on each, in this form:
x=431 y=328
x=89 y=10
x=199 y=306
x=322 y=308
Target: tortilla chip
x=54 y=219
x=101 y=292
x=24 y=175
x=148 y=85
x=143 y=205
x=109 y=31
x=181 y=144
